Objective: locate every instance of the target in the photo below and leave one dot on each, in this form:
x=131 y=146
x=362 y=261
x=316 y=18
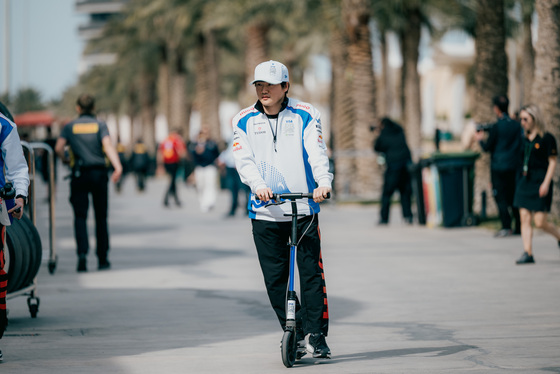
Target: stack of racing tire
x=23 y=254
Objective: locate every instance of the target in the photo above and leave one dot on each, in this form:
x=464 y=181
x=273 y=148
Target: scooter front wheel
x=289 y=348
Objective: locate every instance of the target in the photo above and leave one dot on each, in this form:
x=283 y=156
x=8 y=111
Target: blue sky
x=45 y=46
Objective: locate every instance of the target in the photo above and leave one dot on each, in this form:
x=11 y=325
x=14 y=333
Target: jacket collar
x=260 y=108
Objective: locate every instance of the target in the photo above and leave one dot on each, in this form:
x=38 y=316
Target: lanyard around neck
x=274 y=130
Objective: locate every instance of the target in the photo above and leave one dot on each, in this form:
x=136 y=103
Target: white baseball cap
x=272 y=72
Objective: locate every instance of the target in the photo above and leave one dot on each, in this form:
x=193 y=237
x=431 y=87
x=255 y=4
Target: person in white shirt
x=278 y=147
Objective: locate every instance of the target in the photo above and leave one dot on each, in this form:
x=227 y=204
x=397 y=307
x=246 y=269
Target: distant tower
x=99 y=12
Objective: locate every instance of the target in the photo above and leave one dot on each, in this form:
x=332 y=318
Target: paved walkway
x=185 y=295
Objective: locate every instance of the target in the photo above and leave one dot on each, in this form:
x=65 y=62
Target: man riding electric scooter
x=279 y=148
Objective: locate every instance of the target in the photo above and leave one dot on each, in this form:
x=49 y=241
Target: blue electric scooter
x=289 y=341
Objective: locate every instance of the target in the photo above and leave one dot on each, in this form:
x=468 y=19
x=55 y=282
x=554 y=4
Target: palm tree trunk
x=164 y=103
x=342 y=117
x=147 y=112
x=208 y=85
x=178 y=93
x=411 y=82
x=527 y=60
x=546 y=86
x=490 y=80
x=360 y=64
x=386 y=96
x=256 y=51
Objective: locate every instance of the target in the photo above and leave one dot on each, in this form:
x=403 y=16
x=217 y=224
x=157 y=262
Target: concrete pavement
x=185 y=295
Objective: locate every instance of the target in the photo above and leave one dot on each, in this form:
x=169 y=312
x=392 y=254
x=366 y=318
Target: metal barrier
x=23 y=234
x=45 y=147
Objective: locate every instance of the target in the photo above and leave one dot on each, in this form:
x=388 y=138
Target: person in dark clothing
x=121 y=151
x=504 y=142
x=139 y=163
x=89 y=143
x=392 y=143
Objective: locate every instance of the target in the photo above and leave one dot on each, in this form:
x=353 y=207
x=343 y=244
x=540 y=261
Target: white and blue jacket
x=286 y=154
x=12 y=159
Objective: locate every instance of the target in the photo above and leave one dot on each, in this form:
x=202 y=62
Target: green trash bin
x=456 y=175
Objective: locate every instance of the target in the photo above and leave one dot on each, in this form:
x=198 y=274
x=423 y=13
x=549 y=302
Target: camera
x=483 y=126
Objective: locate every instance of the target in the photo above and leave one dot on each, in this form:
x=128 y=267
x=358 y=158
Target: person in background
x=204 y=152
x=391 y=142
x=533 y=195
x=139 y=163
x=278 y=147
x=171 y=152
x=226 y=162
x=121 y=151
x=13 y=163
x=504 y=144
x=89 y=142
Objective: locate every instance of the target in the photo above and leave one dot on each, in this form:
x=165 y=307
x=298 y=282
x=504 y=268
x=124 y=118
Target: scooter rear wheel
x=289 y=348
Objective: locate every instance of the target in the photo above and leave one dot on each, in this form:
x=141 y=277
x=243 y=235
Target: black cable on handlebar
x=294 y=196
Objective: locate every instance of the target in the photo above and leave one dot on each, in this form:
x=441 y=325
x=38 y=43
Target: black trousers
x=503 y=189
x=396 y=179
x=172 y=169
x=271 y=240
x=90 y=182
x=141 y=179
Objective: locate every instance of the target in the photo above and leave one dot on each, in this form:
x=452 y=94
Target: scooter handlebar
x=295 y=195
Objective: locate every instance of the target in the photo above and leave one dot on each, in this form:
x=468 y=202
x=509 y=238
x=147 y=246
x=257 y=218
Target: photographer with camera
x=392 y=143
x=503 y=141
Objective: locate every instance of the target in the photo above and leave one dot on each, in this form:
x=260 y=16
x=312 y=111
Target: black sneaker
x=1 y=357
x=317 y=345
x=525 y=259
x=82 y=264
x=104 y=265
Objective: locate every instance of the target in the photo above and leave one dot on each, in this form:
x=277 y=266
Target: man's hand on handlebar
x=320 y=194
x=264 y=194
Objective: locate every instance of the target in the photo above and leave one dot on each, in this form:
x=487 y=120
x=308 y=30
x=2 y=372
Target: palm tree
x=130 y=82
x=208 y=83
x=410 y=79
x=27 y=99
x=490 y=68
x=491 y=60
x=528 y=51
x=165 y=27
x=361 y=80
x=407 y=18
x=342 y=116
x=546 y=86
